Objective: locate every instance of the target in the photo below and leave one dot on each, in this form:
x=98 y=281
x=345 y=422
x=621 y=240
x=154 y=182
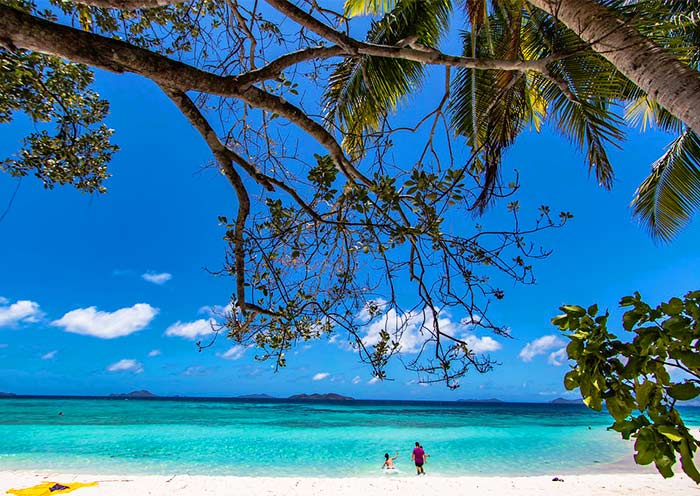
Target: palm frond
x=581 y=99
x=361 y=91
x=645 y=113
x=668 y=197
x=503 y=101
x=353 y=8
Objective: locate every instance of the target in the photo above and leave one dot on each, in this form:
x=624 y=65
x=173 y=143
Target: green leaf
x=574 y=349
x=663 y=465
x=675 y=324
x=593 y=402
x=574 y=310
x=624 y=427
x=645 y=452
x=687 y=461
x=673 y=307
x=670 y=432
x=571 y=380
x=628 y=301
x=689 y=358
x=560 y=321
x=630 y=319
x=684 y=392
x=617 y=407
x=643 y=392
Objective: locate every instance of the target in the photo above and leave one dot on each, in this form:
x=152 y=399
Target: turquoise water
x=303 y=439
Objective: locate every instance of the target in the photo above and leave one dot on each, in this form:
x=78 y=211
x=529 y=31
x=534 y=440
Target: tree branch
x=307 y=20
x=273 y=69
x=129 y=4
x=425 y=56
x=223 y=156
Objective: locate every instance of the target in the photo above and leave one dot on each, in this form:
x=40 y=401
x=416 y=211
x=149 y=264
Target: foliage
x=578 y=93
x=48 y=89
x=640 y=381
x=362 y=92
x=344 y=201
x=666 y=198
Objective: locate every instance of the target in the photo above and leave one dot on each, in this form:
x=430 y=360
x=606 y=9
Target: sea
x=282 y=438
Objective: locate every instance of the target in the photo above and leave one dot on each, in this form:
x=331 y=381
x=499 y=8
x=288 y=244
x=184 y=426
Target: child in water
x=389 y=461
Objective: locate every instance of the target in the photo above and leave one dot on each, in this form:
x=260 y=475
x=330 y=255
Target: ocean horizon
x=283 y=437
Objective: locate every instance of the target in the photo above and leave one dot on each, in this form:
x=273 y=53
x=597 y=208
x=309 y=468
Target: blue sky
x=105 y=294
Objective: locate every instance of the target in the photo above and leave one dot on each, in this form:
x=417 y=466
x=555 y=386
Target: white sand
x=637 y=484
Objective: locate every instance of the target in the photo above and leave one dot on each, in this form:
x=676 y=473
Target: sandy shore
x=573 y=485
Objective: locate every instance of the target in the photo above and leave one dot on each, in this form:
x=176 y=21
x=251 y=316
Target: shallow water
x=216 y=437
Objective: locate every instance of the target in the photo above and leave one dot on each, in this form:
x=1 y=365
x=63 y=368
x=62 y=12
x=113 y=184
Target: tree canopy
x=299 y=104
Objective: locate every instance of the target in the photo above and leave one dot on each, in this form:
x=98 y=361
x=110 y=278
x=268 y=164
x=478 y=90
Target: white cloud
x=22 y=311
x=364 y=314
x=405 y=327
x=235 y=352
x=155 y=278
x=373 y=380
x=416 y=382
x=343 y=342
x=558 y=358
x=320 y=376
x=107 y=325
x=191 y=330
x=481 y=345
x=540 y=346
x=217 y=310
x=356 y=380
x=154 y=353
x=126 y=365
x=409 y=329
x=49 y=355
x=196 y=371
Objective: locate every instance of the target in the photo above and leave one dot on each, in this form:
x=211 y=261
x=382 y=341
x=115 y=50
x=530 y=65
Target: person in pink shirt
x=418 y=457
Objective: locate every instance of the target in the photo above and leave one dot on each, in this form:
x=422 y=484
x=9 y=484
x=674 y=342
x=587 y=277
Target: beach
x=640 y=484
x=198 y=447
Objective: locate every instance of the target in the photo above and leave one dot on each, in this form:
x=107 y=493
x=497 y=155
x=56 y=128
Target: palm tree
x=578 y=92
x=667 y=198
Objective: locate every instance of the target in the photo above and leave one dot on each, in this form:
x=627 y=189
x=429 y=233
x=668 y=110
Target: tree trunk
x=664 y=78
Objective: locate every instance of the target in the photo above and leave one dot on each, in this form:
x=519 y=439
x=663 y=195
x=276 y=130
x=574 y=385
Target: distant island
x=135 y=394
x=320 y=397
x=490 y=400
x=563 y=401
x=256 y=397
x=7 y=395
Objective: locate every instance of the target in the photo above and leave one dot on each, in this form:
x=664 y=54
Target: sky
x=108 y=294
